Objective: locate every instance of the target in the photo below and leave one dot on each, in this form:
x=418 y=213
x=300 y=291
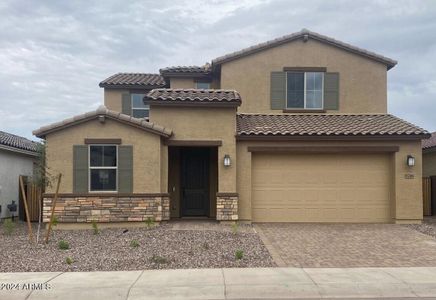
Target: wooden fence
x=426 y=195
x=34 y=200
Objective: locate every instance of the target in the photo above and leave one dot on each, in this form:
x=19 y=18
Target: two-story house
x=295 y=129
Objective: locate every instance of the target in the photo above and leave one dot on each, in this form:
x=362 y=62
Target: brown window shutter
x=278 y=90
x=331 y=91
x=80 y=169
x=126 y=104
x=125 y=169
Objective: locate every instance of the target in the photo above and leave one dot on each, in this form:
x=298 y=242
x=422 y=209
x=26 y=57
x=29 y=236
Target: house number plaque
x=409 y=176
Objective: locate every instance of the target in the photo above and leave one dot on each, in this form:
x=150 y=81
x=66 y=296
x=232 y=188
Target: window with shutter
x=103 y=168
x=304 y=90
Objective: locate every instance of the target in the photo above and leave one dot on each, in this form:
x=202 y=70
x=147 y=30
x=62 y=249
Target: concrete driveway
x=347 y=245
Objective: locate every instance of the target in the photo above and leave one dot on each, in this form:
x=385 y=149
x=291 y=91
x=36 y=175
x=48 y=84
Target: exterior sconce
x=410 y=160
x=227 y=161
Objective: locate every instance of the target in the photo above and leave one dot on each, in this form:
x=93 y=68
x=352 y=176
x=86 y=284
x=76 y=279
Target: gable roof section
x=17 y=143
x=183 y=71
x=102 y=111
x=315 y=125
x=305 y=34
x=133 y=80
x=193 y=97
x=429 y=143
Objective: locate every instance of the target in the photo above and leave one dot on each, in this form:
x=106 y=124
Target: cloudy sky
x=54 y=53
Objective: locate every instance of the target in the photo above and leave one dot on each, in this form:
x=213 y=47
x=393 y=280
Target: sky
x=54 y=53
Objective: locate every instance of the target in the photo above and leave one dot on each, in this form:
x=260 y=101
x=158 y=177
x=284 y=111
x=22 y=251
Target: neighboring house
x=17 y=157
x=429 y=169
x=292 y=130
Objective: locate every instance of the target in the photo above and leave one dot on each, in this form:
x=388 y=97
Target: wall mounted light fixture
x=410 y=160
x=227 y=161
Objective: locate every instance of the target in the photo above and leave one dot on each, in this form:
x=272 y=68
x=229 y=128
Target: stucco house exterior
x=429 y=169
x=295 y=129
x=17 y=158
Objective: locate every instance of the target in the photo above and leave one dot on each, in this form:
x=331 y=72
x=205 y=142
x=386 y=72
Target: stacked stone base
x=84 y=209
x=227 y=207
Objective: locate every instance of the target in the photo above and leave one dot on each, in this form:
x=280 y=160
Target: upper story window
x=304 y=90
x=139 y=109
x=202 y=85
x=103 y=167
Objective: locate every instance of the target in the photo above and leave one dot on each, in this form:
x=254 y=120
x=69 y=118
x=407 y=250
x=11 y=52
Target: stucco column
x=407 y=207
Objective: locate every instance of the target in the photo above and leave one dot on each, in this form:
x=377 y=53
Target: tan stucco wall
x=182 y=83
x=194 y=123
x=362 y=81
x=147 y=153
x=406 y=194
x=429 y=164
x=112 y=99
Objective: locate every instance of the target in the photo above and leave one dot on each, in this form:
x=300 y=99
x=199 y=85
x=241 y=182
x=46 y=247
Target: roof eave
x=390 y=63
x=189 y=103
x=18 y=150
x=166 y=133
x=130 y=86
x=271 y=137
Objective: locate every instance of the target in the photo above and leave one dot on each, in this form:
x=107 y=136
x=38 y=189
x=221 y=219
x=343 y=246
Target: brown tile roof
x=325 y=125
x=194 y=96
x=103 y=111
x=134 y=80
x=429 y=143
x=186 y=70
x=18 y=142
x=305 y=34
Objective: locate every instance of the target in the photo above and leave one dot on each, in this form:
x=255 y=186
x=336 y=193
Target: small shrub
x=134 y=244
x=69 y=260
x=95 y=227
x=158 y=259
x=54 y=221
x=239 y=254
x=149 y=223
x=8 y=226
x=63 y=245
x=235 y=228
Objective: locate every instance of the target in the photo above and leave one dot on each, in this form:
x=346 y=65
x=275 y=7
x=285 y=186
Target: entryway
x=192 y=181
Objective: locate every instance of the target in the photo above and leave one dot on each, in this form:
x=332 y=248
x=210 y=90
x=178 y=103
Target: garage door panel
x=320 y=188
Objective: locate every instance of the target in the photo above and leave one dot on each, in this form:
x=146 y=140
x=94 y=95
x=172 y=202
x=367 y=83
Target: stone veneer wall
x=227 y=207
x=79 y=209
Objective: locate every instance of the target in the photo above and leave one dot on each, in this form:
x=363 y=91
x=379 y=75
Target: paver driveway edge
x=316 y=245
x=243 y=283
x=271 y=249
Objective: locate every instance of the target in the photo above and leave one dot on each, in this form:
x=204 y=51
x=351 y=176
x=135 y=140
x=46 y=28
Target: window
x=102 y=168
x=304 y=90
x=202 y=85
x=139 y=109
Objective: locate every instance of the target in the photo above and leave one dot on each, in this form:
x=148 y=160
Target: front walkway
x=347 y=245
x=267 y=283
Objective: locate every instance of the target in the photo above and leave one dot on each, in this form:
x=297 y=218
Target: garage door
x=320 y=187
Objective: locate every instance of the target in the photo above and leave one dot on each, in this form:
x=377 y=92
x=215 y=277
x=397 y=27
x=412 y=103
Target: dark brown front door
x=195 y=182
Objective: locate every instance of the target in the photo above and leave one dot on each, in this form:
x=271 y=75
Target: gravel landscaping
x=426 y=228
x=161 y=247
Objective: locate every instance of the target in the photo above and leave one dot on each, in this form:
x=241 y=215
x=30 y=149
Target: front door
x=195 y=181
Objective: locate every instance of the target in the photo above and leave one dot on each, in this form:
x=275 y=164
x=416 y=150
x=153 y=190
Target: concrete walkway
x=268 y=283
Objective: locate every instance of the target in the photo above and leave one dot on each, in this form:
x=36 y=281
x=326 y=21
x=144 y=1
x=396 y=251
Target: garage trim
x=325 y=149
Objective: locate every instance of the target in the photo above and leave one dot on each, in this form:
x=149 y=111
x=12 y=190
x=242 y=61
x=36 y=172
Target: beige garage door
x=321 y=187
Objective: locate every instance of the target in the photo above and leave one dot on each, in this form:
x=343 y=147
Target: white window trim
x=305 y=91
x=109 y=168
x=132 y=108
